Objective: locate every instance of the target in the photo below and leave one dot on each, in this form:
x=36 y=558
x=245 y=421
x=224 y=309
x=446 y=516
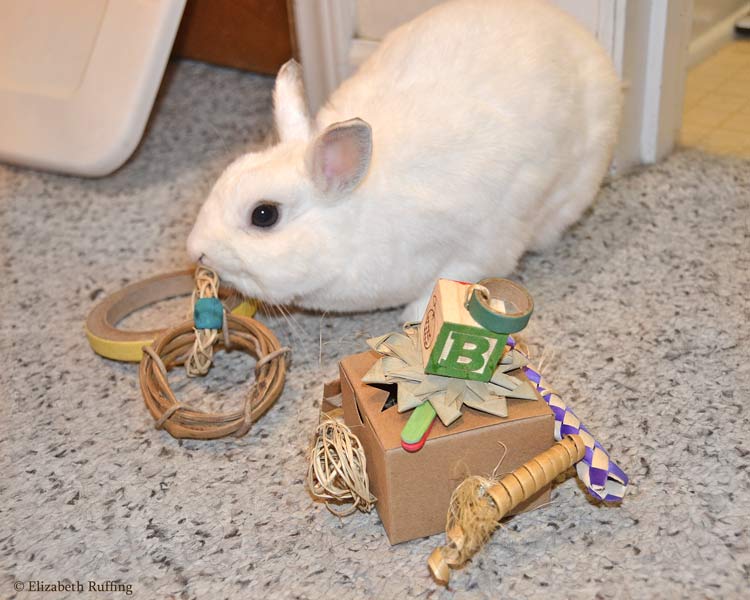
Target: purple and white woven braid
x=602 y=477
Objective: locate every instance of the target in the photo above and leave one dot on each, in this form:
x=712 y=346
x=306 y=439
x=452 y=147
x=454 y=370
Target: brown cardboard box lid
x=391 y=422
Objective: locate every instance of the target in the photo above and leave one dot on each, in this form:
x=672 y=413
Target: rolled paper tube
x=536 y=470
x=511 y=294
x=526 y=479
x=513 y=489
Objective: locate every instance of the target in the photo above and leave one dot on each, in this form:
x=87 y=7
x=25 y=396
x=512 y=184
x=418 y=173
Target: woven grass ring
x=172 y=349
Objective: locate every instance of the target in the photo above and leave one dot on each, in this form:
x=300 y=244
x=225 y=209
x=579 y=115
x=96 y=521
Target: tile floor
x=717 y=102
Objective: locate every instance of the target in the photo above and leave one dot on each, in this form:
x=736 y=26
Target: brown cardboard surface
x=414 y=489
x=331 y=396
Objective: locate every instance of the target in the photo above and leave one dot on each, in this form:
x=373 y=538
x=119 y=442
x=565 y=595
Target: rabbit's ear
x=339 y=158
x=290 y=110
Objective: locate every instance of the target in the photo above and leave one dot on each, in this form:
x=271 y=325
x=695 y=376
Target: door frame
x=648 y=41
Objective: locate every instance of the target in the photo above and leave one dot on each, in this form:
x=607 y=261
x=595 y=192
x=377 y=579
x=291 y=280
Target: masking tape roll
x=108 y=341
x=512 y=295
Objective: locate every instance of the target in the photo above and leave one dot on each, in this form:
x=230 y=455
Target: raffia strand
x=337 y=471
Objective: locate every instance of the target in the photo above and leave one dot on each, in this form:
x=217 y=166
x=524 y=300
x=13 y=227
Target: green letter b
x=466 y=352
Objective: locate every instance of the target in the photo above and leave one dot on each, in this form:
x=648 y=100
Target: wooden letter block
x=453 y=343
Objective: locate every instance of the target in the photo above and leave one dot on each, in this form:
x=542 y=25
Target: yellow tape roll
x=116 y=344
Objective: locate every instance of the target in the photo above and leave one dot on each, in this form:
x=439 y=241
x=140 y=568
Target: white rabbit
x=479 y=130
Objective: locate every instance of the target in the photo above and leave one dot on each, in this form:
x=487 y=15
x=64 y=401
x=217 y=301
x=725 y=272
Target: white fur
x=292 y=120
x=492 y=125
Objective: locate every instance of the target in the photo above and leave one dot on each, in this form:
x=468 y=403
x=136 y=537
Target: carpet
x=642 y=312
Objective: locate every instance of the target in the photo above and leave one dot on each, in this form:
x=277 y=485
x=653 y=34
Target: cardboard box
x=414 y=489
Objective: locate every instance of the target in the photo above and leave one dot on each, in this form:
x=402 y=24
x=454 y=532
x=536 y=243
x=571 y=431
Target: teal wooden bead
x=208 y=313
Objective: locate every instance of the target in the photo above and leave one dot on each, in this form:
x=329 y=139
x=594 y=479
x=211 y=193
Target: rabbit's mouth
x=249 y=286
x=227 y=277
x=242 y=284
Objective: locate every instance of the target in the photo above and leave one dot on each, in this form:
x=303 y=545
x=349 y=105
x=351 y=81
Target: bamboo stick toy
x=477 y=509
x=478 y=504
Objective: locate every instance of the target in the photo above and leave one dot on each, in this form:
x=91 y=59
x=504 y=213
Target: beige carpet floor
x=643 y=308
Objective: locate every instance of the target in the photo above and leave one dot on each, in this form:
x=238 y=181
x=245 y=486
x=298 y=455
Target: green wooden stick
x=414 y=433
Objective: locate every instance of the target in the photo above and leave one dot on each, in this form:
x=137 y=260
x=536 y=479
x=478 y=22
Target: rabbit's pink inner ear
x=341 y=156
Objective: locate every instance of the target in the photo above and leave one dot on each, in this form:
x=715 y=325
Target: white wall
x=375 y=18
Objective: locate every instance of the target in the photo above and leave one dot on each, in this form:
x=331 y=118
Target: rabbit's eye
x=266 y=214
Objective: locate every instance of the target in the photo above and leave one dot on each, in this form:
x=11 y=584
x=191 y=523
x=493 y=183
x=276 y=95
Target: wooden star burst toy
x=456 y=355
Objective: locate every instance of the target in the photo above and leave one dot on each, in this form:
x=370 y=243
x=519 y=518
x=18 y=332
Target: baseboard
x=712 y=40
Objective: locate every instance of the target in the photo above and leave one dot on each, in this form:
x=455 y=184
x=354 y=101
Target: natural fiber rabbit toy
x=479 y=130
